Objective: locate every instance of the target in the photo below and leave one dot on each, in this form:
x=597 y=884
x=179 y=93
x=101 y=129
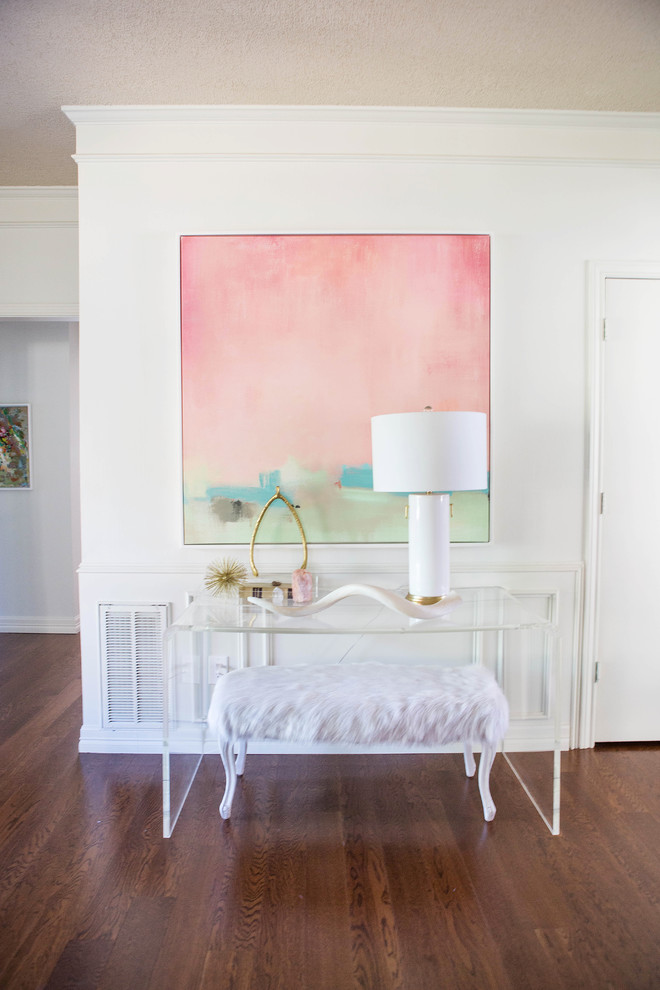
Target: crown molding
x=140 y=114
x=342 y=159
x=235 y=135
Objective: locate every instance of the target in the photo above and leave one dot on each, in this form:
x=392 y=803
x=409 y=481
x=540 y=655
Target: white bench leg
x=468 y=756
x=227 y=754
x=485 y=764
x=235 y=768
x=240 y=757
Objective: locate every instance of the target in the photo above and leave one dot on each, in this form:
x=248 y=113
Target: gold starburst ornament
x=224 y=577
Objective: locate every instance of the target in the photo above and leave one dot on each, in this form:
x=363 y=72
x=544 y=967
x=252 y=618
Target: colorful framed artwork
x=291 y=343
x=15 y=447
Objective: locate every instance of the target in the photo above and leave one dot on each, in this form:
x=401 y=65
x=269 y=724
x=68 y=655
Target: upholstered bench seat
x=359 y=704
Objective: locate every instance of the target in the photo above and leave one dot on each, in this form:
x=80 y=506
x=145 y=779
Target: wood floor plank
x=138 y=944
x=334 y=872
x=454 y=936
x=30 y=676
x=80 y=964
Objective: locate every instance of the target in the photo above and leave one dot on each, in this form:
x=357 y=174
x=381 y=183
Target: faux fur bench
x=362 y=704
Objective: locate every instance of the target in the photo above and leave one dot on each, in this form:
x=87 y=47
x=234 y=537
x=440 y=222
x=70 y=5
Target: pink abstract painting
x=291 y=343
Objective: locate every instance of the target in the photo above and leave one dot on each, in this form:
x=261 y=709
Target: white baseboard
x=39 y=624
x=134 y=740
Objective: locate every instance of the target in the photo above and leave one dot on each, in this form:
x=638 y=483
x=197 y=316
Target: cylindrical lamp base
x=428 y=548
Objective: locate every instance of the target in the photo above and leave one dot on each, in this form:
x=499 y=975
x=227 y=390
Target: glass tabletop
x=479 y=609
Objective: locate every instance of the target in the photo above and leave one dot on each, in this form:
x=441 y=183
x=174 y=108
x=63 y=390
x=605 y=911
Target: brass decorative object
x=291 y=508
x=224 y=577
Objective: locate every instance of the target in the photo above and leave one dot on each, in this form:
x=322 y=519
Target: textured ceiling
x=543 y=54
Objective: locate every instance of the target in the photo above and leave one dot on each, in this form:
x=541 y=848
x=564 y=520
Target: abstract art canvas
x=290 y=343
x=15 y=447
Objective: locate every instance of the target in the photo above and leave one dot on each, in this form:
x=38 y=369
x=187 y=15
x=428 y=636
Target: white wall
x=40 y=528
x=39 y=252
x=39 y=541
x=553 y=191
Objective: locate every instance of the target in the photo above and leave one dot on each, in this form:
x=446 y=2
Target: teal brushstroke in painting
x=270 y=479
x=357 y=477
x=268 y=482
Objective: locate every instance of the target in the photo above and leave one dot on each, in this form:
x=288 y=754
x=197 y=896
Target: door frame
x=597 y=274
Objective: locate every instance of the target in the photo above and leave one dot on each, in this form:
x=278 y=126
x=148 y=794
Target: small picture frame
x=15 y=446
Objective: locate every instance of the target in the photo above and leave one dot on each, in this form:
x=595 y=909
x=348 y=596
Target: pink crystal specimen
x=301 y=583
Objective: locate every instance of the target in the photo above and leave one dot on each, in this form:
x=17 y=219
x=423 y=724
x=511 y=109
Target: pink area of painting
x=290 y=343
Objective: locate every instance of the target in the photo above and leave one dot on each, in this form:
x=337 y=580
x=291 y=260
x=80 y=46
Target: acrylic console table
x=489 y=627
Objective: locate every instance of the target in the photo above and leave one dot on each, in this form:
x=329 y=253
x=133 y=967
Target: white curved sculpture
x=388 y=598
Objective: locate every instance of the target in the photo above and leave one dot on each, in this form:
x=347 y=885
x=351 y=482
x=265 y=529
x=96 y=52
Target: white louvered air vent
x=132 y=659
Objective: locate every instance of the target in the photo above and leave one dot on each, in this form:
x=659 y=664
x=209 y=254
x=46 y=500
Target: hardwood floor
x=334 y=872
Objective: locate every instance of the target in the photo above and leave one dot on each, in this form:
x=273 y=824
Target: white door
x=628 y=644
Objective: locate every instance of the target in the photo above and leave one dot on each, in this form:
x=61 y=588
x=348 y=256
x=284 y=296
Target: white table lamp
x=429 y=455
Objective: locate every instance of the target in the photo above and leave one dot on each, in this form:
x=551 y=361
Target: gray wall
x=39 y=528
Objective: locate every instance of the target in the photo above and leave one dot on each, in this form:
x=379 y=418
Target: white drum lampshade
x=429 y=454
